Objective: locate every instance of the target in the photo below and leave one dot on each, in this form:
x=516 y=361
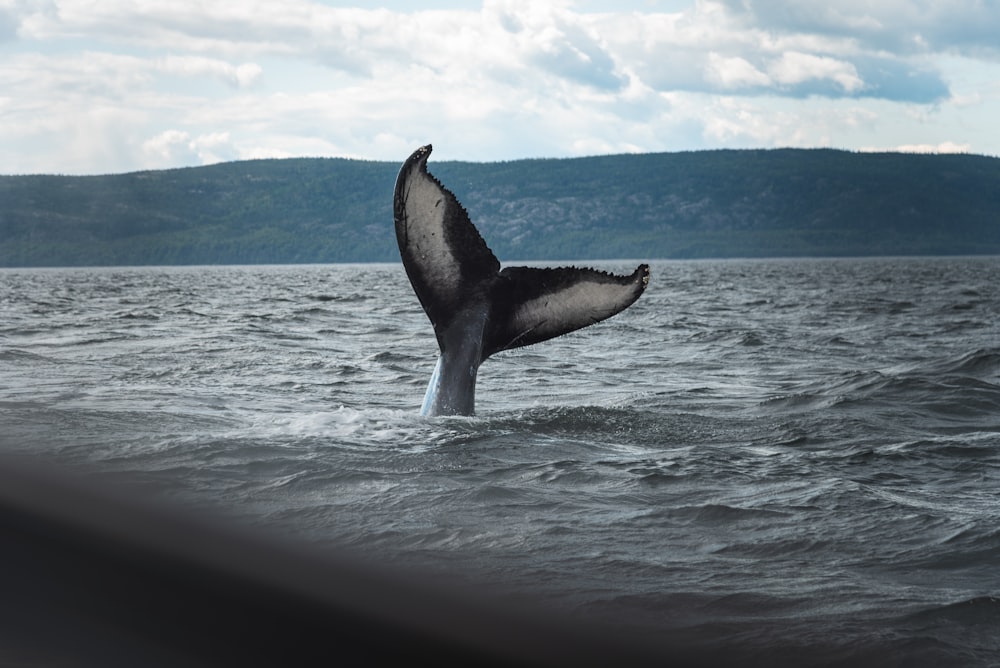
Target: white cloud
x=214 y=147
x=943 y=147
x=239 y=76
x=795 y=68
x=742 y=123
x=734 y=72
x=164 y=146
x=171 y=148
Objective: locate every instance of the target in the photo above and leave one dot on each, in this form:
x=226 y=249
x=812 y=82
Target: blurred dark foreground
x=99 y=575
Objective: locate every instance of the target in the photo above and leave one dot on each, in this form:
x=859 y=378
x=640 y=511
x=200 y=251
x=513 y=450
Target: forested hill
x=748 y=203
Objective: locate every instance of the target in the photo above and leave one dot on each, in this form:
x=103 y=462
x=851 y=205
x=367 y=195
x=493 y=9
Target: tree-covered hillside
x=302 y=210
x=751 y=203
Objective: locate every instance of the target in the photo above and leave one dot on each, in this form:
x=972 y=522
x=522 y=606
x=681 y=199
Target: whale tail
x=476 y=308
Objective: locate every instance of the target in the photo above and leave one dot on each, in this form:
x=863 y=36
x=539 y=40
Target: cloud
x=794 y=68
x=173 y=147
x=239 y=76
x=897 y=26
x=791 y=48
x=734 y=73
x=189 y=82
x=554 y=39
x=943 y=147
x=894 y=79
x=724 y=48
x=163 y=148
x=15 y=13
x=8 y=26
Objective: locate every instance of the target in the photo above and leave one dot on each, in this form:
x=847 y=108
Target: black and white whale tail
x=477 y=309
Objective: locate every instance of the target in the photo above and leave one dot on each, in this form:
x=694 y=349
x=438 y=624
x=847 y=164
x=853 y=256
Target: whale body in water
x=477 y=309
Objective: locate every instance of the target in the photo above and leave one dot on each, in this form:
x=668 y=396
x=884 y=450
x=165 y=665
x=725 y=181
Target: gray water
x=764 y=455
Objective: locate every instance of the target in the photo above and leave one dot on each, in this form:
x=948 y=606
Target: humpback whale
x=476 y=309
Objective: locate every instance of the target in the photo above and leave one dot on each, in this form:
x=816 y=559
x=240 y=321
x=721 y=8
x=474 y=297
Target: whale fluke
x=476 y=309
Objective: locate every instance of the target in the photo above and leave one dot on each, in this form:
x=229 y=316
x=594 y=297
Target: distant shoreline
x=695 y=205
x=599 y=262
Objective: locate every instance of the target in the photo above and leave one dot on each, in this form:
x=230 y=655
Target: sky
x=110 y=86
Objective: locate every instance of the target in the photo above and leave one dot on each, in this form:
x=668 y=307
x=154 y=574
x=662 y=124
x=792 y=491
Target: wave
x=961 y=633
x=979 y=610
x=983 y=364
x=25 y=357
x=967 y=386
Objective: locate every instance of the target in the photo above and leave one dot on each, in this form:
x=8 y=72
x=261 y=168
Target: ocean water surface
x=775 y=456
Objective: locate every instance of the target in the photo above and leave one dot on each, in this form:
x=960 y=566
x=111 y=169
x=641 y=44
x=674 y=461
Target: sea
x=781 y=458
